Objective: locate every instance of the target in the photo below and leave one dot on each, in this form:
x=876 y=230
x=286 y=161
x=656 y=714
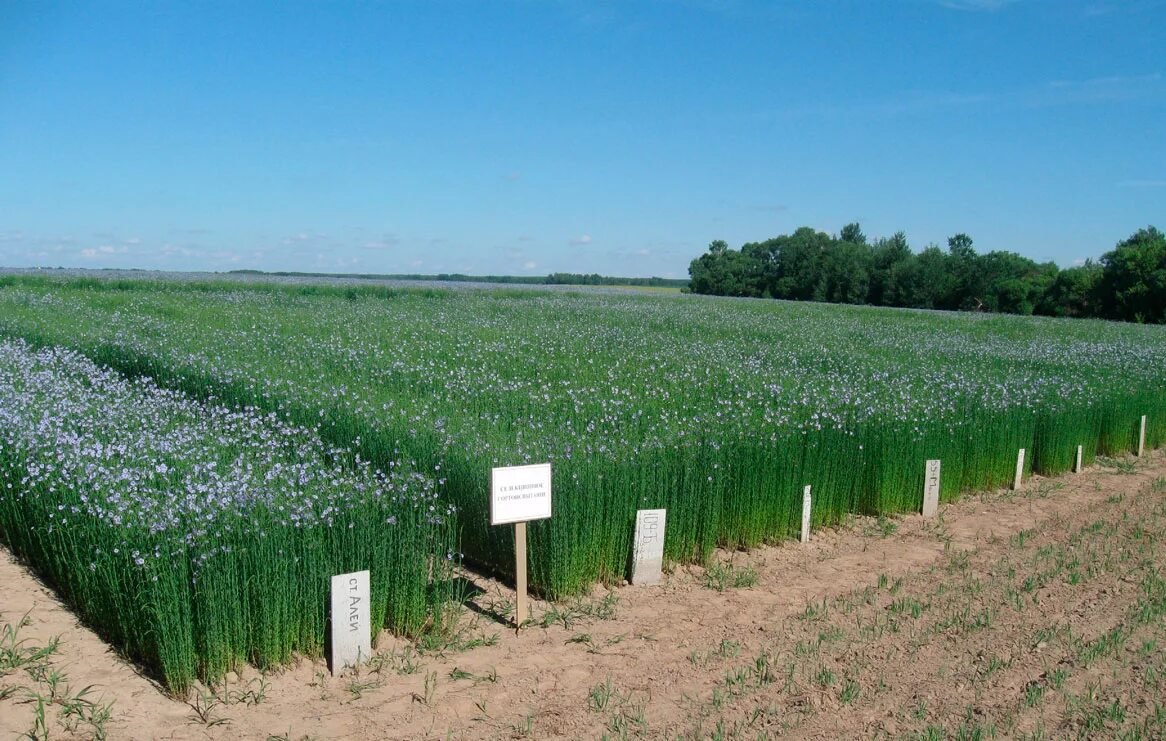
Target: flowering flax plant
x=197 y=537
x=719 y=410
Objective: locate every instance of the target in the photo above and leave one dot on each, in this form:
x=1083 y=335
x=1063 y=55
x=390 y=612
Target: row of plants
x=196 y=537
x=718 y=410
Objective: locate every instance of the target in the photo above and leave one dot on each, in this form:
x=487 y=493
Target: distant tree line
x=556 y=279
x=1127 y=283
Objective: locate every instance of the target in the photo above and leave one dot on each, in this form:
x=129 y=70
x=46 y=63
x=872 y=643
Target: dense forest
x=1127 y=283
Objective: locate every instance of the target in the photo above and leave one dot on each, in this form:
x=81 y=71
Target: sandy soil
x=1037 y=612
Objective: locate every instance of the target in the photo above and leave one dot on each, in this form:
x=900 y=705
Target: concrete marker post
x=931 y=489
x=1019 y=470
x=648 y=548
x=351 y=620
x=806 y=505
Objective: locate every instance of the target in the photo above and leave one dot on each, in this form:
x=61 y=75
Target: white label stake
x=1019 y=470
x=1142 y=437
x=1080 y=459
x=351 y=620
x=806 y=505
x=519 y=494
x=931 y=489
x=648 y=553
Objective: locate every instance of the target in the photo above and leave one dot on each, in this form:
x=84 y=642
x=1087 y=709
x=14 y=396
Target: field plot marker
x=648 y=553
x=806 y=504
x=521 y=608
x=1078 y=467
x=351 y=620
x=931 y=489
x=1019 y=470
x=519 y=494
x=1142 y=437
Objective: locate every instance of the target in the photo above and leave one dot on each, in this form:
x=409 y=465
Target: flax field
x=393 y=404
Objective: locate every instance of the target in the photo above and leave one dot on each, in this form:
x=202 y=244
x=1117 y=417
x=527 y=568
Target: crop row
x=718 y=410
x=195 y=537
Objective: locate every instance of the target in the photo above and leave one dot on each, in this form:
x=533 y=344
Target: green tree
x=926 y=282
x=965 y=288
x=1010 y=283
x=722 y=272
x=852 y=233
x=846 y=267
x=890 y=259
x=1133 y=279
x=1073 y=293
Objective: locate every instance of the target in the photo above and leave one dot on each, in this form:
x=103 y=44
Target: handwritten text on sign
x=648 y=559
x=520 y=493
x=351 y=620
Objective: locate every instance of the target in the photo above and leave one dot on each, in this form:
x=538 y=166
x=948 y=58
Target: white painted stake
x=1019 y=470
x=931 y=489
x=648 y=552
x=520 y=607
x=806 y=504
x=1142 y=437
x=1078 y=467
x=351 y=620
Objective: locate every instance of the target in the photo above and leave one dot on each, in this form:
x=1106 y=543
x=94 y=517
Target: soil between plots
x=1032 y=612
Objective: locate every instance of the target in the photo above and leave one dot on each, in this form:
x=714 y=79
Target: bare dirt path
x=1038 y=613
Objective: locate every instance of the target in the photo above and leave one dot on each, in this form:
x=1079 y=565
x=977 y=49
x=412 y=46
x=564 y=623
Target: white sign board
x=648 y=556
x=1019 y=470
x=806 y=505
x=1142 y=437
x=1077 y=468
x=931 y=489
x=351 y=620
x=520 y=493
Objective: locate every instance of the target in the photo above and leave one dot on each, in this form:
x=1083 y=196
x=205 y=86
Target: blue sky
x=531 y=136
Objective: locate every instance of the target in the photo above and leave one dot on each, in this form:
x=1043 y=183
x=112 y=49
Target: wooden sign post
x=806 y=505
x=351 y=620
x=519 y=494
x=931 y=489
x=1019 y=470
x=1142 y=437
x=648 y=554
x=1077 y=467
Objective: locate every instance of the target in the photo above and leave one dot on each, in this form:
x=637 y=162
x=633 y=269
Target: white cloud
x=976 y=4
x=1095 y=90
x=529 y=265
x=303 y=238
x=580 y=240
x=386 y=242
x=169 y=250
